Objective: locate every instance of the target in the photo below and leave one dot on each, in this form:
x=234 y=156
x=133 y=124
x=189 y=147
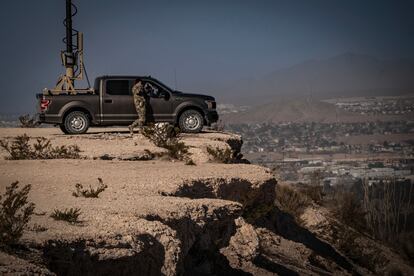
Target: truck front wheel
x=76 y=122
x=191 y=121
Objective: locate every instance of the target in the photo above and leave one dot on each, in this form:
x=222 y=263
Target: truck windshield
x=161 y=84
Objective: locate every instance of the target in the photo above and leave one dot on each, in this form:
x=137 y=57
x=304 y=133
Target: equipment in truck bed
x=72 y=58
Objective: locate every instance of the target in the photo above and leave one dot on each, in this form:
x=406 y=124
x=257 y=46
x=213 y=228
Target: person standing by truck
x=140 y=105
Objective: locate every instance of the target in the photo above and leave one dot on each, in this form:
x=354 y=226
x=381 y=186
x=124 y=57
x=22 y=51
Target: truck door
x=117 y=102
x=160 y=104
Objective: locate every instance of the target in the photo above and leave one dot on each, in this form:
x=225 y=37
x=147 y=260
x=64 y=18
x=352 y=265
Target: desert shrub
x=160 y=134
x=69 y=215
x=219 y=126
x=15 y=213
x=28 y=122
x=190 y=162
x=167 y=136
x=20 y=149
x=177 y=150
x=148 y=155
x=89 y=192
x=313 y=192
x=291 y=201
x=314 y=189
x=349 y=210
x=37 y=228
x=221 y=155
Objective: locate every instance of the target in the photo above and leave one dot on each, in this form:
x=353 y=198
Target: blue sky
x=204 y=43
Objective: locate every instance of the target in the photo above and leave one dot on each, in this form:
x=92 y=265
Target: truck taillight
x=44 y=104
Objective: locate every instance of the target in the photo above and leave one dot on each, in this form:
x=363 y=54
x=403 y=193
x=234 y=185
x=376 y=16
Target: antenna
x=72 y=57
x=175 y=78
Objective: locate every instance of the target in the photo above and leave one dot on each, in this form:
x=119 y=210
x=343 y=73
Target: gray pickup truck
x=111 y=104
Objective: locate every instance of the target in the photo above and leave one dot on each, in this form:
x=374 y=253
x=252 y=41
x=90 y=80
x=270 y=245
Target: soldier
x=140 y=105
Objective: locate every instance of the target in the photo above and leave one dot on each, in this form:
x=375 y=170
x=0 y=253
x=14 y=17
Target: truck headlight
x=211 y=104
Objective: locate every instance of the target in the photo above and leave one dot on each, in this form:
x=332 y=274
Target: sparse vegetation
x=37 y=228
x=177 y=150
x=389 y=206
x=190 y=162
x=159 y=134
x=20 y=149
x=149 y=155
x=221 y=155
x=69 y=215
x=15 y=213
x=219 y=126
x=291 y=201
x=166 y=136
x=28 y=122
x=314 y=189
x=89 y=192
x=348 y=209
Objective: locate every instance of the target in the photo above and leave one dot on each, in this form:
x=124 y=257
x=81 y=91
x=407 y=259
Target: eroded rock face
x=244 y=191
x=244 y=245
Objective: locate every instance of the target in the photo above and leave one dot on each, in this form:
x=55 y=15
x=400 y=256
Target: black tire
x=76 y=122
x=191 y=121
x=63 y=129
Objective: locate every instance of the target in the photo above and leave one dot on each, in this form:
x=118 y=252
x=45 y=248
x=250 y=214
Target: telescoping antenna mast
x=72 y=58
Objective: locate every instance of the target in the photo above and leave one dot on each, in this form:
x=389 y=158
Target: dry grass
x=313 y=192
x=166 y=136
x=89 y=192
x=15 y=213
x=219 y=126
x=28 y=122
x=349 y=210
x=69 y=215
x=190 y=162
x=291 y=201
x=221 y=155
x=160 y=134
x=20 y=149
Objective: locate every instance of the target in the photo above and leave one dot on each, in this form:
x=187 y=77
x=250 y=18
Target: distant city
x=376 y=105
x=339 y=153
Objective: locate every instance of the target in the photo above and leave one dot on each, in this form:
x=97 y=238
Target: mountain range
x=346 y=75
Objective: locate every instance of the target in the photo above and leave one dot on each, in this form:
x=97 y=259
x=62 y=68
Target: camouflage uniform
x=140 y=106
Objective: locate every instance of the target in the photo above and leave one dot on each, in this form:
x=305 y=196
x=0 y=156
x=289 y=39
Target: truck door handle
x=108 y=101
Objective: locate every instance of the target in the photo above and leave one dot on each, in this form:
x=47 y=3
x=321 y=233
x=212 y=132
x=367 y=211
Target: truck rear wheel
x=191 y=121
x=63 y=129
x=76 y=122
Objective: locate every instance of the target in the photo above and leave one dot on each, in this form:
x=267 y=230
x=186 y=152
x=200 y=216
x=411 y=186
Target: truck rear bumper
x=49 y=119
x=211 y=117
